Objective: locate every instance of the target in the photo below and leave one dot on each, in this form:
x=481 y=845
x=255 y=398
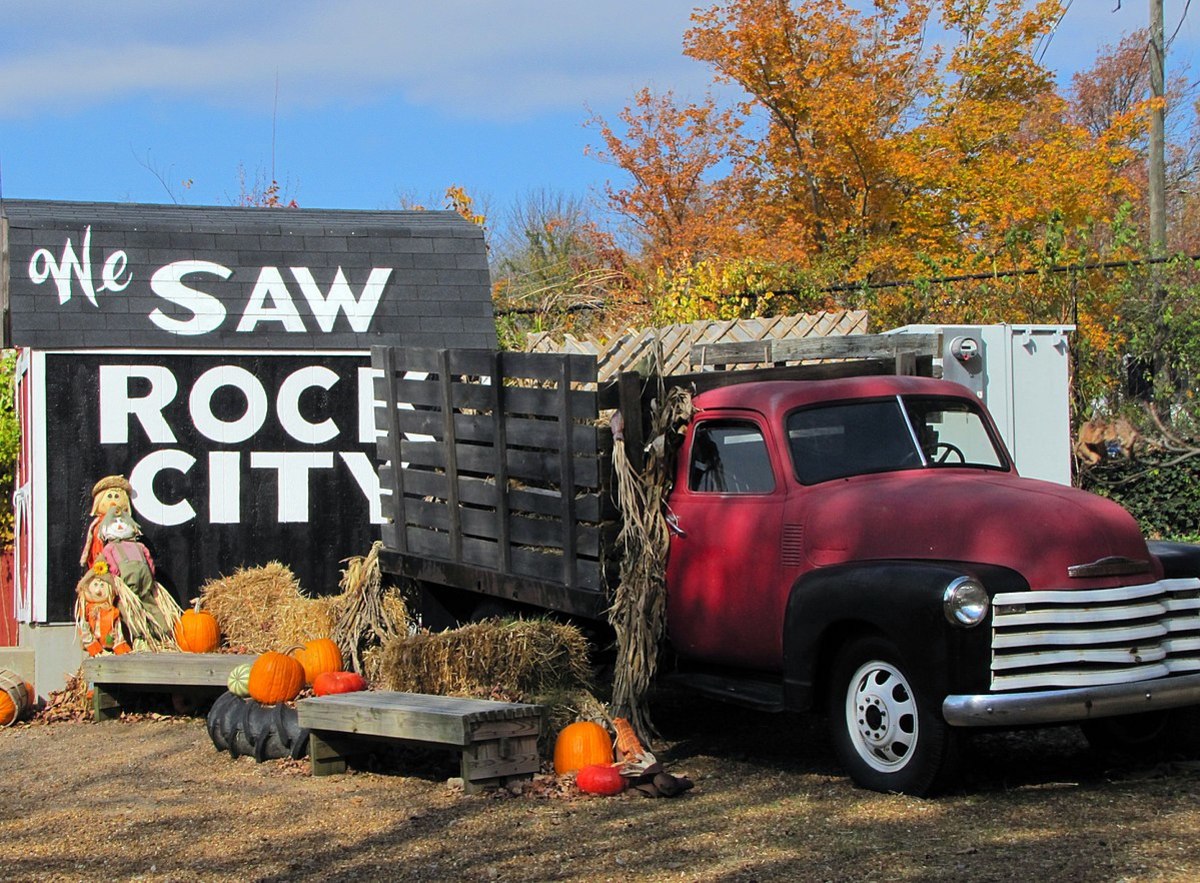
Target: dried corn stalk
x=364 y=615
x=639 y=610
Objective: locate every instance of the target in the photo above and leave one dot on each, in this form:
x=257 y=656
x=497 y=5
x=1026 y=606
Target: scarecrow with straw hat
x=130 y=605
x=110 y=492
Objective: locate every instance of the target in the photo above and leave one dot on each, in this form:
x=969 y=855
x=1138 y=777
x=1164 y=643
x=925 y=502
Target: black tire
x=1144 y=735
x=887 y=728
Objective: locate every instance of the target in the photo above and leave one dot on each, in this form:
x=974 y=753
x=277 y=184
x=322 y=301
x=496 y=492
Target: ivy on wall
x=1164 y=500
x=10 y=443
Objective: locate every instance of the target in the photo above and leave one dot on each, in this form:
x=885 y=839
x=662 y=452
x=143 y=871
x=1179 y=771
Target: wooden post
x=500 y=437
x=105 y=706
x=327 y=754
x=629 y=398
x=448 y=439
x=567 y=472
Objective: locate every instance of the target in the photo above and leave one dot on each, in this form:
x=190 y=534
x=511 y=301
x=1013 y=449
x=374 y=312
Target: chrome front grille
x=1088 y=638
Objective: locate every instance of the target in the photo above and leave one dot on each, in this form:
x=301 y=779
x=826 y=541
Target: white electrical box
x=1022 y=374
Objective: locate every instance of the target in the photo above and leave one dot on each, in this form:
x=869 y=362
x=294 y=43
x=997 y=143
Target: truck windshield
x=883 y=435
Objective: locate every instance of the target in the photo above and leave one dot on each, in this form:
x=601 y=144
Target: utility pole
x=1158 y=173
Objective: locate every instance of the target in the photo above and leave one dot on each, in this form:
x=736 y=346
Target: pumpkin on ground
x=338 y=682
x=318 y=657
x=14 y=697
x=197 y=631
x=581 y=744
x=239 y=680
x=600 y=778
x=275 y=677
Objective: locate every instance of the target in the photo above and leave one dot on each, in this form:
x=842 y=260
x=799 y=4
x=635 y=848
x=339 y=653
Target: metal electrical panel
x=1021 y=372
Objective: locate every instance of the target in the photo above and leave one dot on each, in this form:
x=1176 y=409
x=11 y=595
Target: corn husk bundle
x=263 y=608
x=364 y=615
x=145 y=631
x=505 y=659
x=639 y=610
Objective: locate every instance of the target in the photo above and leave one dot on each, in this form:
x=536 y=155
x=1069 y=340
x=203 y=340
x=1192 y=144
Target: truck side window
x=730 y=457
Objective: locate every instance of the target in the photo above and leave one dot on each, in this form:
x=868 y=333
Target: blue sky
x=378 y=102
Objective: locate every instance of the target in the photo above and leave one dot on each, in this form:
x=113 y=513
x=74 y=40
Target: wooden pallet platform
x=186 y=674
x=497 y=740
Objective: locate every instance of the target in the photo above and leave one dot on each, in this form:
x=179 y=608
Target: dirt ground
x=151 y=799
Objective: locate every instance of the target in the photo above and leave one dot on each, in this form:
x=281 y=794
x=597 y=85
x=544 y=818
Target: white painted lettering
x=292 y=468
x=117 y=405
x=227 y=431
x=224 y=487
x=359 y=311
x=270 y=284
x=207 y=311
x=114 y=268
x=43 y=266
x=364 y=474
x=149 y=506
x=287 y=405
x=367 y=404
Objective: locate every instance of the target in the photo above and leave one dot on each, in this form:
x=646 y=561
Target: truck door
x=724 y=602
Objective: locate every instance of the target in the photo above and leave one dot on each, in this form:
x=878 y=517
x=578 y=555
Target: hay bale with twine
x=263 y=608
x=509 y=659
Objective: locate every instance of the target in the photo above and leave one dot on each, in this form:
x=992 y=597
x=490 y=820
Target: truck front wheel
x=887 y=729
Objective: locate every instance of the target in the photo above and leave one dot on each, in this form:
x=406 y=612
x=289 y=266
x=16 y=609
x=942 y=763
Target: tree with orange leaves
x=858 y=153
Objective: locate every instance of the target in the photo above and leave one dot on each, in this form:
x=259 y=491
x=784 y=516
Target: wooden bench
x=497 y=740
x=185 y=674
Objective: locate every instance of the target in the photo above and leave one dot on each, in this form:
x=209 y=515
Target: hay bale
x=510 y=659
x=263 y=608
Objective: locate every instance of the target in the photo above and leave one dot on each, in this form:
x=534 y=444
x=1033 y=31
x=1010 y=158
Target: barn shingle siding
x=438 y=293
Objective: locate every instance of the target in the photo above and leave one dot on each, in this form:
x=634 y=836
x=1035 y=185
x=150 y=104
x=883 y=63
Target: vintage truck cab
x=867 y=544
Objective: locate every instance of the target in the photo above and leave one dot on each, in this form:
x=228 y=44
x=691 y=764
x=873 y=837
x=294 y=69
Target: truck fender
x=900 y=600
x=1177 y=559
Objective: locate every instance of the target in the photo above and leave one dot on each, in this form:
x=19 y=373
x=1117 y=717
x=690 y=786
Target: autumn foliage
x=913 y=157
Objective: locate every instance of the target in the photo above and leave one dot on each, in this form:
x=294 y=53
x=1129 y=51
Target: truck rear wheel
x=887 y=729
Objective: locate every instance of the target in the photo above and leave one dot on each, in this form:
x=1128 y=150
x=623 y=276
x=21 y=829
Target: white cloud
x=472 y=57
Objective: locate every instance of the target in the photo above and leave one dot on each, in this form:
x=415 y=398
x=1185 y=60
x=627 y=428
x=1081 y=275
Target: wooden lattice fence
x=678 y=341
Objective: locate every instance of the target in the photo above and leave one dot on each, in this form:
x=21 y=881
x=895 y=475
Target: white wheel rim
x=881 y=717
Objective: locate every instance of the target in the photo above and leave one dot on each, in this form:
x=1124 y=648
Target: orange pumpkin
x=318 y=657
x=581 y=744
x=197 y=631
x=14 y=697
x=275 y=677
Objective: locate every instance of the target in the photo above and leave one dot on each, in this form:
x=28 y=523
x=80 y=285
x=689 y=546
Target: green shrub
x=10 y=444
x=1164 y=499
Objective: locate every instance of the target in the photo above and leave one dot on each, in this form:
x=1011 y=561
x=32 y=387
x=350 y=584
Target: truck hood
x=1036 y=528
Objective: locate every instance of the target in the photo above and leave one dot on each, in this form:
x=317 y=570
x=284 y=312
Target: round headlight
x=965 y=602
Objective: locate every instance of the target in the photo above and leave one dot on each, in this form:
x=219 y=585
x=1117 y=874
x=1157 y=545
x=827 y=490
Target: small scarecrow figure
x=96 y=613
x=130 y=560
x=110 y=492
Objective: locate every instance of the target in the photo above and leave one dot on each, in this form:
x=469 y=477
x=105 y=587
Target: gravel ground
x=149 y=798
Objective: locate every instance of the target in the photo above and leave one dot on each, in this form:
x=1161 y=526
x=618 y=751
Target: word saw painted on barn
x=219 y=358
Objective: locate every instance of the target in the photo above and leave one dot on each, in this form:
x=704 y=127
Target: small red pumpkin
x=197 y=631
x=318 y=657
x=600 y=778
x=275 y=677
x=338 y=682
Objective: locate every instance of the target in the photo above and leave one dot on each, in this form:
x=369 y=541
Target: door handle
x=673 y=525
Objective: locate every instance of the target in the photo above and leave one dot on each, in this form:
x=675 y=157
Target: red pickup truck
x=864 y=546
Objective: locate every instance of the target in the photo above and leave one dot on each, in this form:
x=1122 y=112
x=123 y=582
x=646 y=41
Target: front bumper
x=1073 y=704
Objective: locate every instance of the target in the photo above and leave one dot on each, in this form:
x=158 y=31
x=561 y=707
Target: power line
x=1182 y=16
